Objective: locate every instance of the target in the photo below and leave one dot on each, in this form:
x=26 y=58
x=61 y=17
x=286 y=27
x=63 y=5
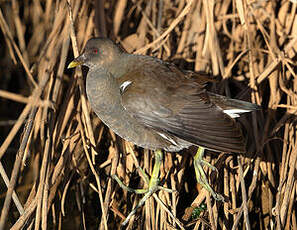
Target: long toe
x=153 y=185
x=201 y=176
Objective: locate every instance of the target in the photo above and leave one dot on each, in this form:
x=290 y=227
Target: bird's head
x=98 y=52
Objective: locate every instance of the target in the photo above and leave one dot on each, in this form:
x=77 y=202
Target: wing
x=167 y=101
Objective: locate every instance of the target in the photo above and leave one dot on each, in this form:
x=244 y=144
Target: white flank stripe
x=168 y=138
x=124 y=85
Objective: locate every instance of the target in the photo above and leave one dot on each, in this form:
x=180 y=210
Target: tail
x=232 y=107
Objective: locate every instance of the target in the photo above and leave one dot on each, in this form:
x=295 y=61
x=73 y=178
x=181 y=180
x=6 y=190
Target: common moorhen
x=155 y=105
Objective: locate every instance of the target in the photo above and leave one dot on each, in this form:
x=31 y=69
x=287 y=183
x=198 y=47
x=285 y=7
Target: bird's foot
x=200 y=174
x=153 y=185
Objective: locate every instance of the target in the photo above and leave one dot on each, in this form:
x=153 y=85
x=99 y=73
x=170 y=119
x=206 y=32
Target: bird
x=157 y=106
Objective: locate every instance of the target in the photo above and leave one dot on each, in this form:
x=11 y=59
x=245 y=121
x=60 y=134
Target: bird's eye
x=95 y=51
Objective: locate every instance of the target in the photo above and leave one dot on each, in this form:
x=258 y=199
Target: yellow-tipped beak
x=73 y=64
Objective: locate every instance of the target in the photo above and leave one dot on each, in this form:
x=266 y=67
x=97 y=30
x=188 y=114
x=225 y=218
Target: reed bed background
x=57 y=157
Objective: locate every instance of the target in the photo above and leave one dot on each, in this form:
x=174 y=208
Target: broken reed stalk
x=251 y=44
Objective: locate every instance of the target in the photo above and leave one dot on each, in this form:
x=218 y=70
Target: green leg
x=200 y=174
x=153 y=185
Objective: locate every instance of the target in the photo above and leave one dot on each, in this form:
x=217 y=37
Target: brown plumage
x=157 y=106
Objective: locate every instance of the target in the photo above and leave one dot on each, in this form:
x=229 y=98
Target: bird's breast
x=104 y=96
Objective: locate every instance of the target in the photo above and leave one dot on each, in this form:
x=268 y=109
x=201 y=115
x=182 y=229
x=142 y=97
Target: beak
x=80 y=60
x=73 y=64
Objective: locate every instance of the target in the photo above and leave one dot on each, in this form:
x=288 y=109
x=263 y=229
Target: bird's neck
x=124 y=63
x=100 y=84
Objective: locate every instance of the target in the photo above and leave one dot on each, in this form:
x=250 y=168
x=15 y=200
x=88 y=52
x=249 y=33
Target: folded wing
x=167 y=102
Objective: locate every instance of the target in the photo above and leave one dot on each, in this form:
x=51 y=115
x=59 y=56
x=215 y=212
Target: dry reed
x=57 y=157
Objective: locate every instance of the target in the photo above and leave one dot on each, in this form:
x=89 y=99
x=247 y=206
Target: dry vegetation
x=57 y=157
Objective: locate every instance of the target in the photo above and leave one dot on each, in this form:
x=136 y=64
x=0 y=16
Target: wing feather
x=166 y=102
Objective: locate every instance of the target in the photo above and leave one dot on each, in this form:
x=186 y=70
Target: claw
x=200 y=174
x=153 y=185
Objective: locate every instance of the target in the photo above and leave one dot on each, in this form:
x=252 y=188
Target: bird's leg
x=200 y=174
x=153 y=184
